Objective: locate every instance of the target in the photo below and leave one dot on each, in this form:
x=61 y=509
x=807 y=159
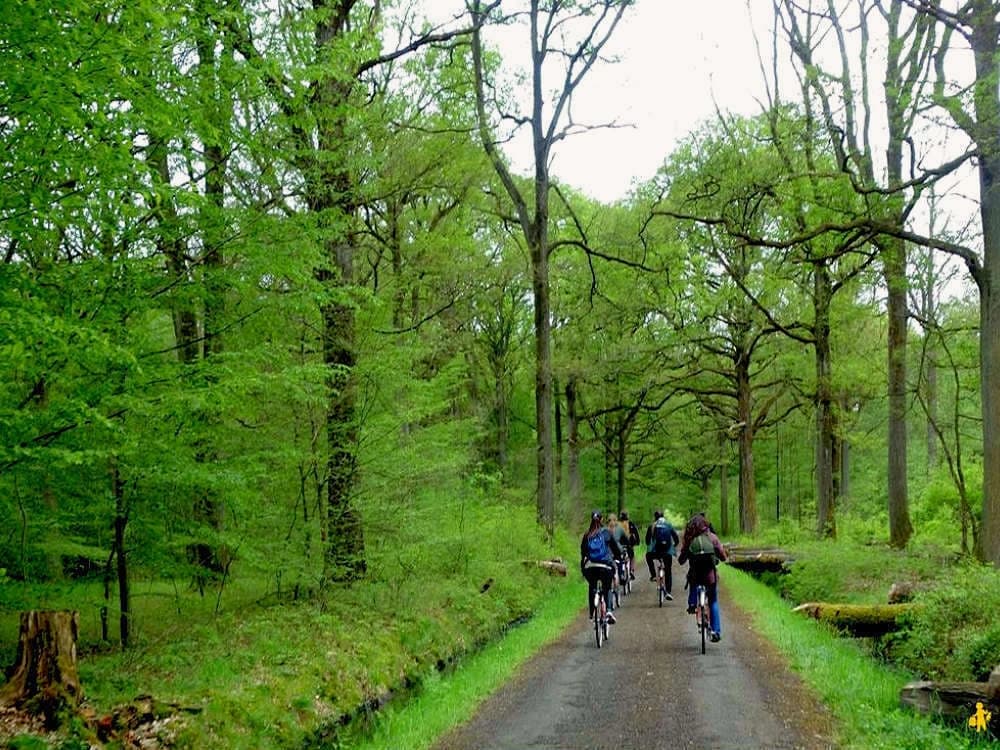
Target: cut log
x=759 y=560
x=552 y=567
x=44 y=679
x=965 y=703
x=860 y=620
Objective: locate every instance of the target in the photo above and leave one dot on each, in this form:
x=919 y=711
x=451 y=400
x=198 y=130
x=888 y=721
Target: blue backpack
x=597 y=548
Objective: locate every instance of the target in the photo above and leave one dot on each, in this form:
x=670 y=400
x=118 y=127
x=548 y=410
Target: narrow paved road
x=650 y=687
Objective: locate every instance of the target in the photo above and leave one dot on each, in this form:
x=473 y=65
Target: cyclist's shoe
x=669 y=596
x=652 y=578
x=611 y=619
x=631 y=576
x=690 y=610
x=716 y=637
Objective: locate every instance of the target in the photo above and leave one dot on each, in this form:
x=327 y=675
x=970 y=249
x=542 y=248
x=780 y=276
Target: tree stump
x=45 y=679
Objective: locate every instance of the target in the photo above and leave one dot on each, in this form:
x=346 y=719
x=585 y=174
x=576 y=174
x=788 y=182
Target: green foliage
x=868 y=715
x=953 y=634
x=849 y=572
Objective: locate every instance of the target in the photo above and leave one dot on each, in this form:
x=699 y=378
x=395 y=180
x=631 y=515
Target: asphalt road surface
x=650 y=687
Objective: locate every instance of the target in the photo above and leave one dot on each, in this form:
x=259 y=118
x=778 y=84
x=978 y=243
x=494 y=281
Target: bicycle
x=623 y=576
x=600 y=615
x=702 y=615
x=616 y=599
x=661 y=582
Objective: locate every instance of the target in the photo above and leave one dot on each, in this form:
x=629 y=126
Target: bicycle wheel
x=703 y=617
x=605 y=630
x=659 y=594
x=597 y=618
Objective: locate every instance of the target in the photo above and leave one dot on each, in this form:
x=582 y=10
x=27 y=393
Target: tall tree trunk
x=989 y=342
x=826 y=522
x=607 y=443
x=574 y=479
x=620 y=442
x=893 y=252
x=171 y=246
x=900 y=529
x=121 y=556
x=559 y=433
x=331 y=198
x=502 y=418
x=545 y=485
x=748 y=486
x=724 y=485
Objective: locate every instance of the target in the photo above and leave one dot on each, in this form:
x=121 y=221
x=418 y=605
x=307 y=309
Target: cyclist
x=661 y=543
x=633 y=541
x=702 y=550
x=598 y=550
x=620 y=533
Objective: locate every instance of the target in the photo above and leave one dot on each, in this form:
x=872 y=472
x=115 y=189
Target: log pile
x=958 y=702
x=860 y=620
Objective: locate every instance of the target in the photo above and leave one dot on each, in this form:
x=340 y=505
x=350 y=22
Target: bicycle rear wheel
x=598 y=617
x=703 y=617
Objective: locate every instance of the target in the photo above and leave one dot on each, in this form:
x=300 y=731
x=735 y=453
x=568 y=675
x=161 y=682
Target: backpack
x=597 y=548
x=633 y=534
x=661 y=533
x=702 y=553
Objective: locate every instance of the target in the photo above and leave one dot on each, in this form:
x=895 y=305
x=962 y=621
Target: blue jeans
x=715 y=615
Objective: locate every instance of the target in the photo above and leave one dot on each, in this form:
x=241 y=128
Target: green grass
x=862 y=694
x=446 y=701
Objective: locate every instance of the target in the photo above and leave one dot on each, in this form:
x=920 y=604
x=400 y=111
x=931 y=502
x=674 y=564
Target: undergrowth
x=268 y=671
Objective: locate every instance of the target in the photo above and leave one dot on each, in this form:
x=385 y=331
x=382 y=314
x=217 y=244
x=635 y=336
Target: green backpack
x=702 y=552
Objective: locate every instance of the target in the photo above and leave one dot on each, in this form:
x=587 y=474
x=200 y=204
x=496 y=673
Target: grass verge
x=862 y=694
x=445 y=701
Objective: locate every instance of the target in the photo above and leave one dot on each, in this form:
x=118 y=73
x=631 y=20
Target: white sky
x=675 y=57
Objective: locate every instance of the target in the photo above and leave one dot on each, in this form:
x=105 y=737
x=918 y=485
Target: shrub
x=953 y=635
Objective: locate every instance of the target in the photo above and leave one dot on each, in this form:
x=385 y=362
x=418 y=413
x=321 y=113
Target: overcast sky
x=676 y=58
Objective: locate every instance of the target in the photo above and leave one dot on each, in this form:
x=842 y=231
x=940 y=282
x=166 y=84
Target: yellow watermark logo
x=980 y=719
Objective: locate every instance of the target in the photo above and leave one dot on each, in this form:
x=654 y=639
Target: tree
x=977 y=116
x=848 y=115
x=569 y=36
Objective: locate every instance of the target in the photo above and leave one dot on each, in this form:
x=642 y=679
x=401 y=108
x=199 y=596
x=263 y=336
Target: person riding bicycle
x=620 y=534
x=661 y=543
x=598 y=550
x=702 y=550
x=633 y=540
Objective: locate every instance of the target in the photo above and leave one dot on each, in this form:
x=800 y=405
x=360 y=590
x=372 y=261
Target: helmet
x=595 y=515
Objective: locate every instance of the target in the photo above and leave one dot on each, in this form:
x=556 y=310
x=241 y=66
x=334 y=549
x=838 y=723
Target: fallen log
x=44 y=680
x=972 y=704
x=552 y=567
x=759 y=560
x=860 y=620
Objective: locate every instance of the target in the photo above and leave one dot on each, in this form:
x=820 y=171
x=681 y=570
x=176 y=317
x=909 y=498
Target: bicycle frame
x=600 y=615
x=661 y=580
x=702 y=614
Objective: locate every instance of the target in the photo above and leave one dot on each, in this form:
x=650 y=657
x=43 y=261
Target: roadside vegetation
x=298 y=379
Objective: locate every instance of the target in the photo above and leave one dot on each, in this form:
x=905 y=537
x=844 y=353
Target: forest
x=291 y=352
